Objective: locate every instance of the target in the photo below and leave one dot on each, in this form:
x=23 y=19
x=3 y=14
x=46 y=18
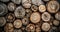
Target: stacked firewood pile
x=29 y=16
